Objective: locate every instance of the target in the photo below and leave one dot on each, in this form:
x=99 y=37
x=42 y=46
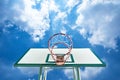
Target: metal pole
x=76 y=72
x=40 y=74
x=45 y=73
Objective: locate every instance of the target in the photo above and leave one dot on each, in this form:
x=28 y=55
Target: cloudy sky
x=93 y=24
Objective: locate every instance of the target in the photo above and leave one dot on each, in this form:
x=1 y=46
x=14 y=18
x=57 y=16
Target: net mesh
x=60 y=40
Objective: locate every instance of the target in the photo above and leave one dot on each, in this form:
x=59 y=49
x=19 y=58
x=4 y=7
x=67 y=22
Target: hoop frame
x=68 y=46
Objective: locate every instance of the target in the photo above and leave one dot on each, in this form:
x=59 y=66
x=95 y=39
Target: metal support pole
x=40 y=74
x=76 y=72
x=45 y=73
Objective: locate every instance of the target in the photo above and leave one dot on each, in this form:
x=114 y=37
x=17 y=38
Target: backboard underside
x=37 y=57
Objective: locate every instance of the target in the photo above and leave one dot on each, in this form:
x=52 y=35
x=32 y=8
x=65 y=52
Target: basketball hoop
x=64 y=40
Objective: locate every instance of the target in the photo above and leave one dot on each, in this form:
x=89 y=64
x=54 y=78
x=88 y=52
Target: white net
x=60 y=40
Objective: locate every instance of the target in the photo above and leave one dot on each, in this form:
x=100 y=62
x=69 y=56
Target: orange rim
x=65 y=44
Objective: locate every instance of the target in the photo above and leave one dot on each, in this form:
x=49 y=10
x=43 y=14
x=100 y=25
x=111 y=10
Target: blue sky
x=92 y=24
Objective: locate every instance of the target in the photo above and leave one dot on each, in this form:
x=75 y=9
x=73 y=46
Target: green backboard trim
x=54 y=65
x=65 y=65
x=98 y=58
x=21 y=58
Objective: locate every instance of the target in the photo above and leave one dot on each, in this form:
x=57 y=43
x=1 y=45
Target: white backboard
x=41 y=57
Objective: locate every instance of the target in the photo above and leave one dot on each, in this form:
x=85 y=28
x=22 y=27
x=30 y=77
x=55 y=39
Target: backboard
x=37 y=57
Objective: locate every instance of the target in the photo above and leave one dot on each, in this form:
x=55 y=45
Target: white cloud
x=83 y=32
x=53 y=6
x=98 y=21
x=69 y=73
x=94 y=21
x=63 y=30
x=7 y=71
x=37 y=35
x=9 y=24
x=29 y=71
x=70 y=4
x=60 y=16
x=111 y=1
x=87 y=74
x=34 y=21
x=90 y=72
